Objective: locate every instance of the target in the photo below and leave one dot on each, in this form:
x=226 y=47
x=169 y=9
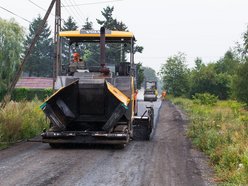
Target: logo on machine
x=82 y=31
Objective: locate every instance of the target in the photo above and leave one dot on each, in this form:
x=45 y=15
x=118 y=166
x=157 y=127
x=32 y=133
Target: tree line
x=226 y=78
x=13 y=43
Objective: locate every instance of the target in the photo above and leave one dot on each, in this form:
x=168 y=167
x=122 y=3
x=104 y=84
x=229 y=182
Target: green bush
x=221 y=131
x=21 y=120
x=240 y=85
x=21 y=94
x=205 y=99
x=2 y=93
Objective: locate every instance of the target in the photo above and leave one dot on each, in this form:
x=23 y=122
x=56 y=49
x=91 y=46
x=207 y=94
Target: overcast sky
x=198 y=28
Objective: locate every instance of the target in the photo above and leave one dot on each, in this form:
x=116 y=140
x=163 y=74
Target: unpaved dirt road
x=168 y=159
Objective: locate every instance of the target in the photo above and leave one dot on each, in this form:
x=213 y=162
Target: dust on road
x=168 y=159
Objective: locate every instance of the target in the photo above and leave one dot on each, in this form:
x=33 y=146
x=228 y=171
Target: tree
x=140 y=75
x=88 y=25
x=245 y=38
x=116 y=52
x=40 y=62
x=240 y=83
x=207 y=80
x=150 y=74
x=11 y=42
x=175 y=75
x=228 y=64
x=68 y=25
x=90 y=51
x=109 y=22
x=199 y=64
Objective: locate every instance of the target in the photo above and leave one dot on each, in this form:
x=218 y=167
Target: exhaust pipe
x=102 y=47
x=103 y=69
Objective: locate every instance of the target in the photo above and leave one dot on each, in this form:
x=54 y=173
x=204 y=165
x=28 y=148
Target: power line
x=67 y=11
x=38 y=6
x=72 y=12
x=76 y=10
x=15 y=14
x=93 y=3
x=41 y=8
x=46 y=10
x=80 y=12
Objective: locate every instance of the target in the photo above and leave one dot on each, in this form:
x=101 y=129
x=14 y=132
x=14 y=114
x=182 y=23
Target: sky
x=198 y=28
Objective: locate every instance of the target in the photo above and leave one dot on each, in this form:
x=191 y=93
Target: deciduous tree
x=228 y=64
x=240 y=83
x=175 y=75
x=140 y=75
x=11 y=42
x=207 y=80
x=150 y=74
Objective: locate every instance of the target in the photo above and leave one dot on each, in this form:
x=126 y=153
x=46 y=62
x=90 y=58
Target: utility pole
x=11 y=87
x=57 y=43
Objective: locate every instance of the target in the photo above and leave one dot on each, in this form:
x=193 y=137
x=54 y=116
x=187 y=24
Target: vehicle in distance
x=150 y=93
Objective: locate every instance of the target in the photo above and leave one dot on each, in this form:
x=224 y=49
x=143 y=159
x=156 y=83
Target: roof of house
x=35 y=82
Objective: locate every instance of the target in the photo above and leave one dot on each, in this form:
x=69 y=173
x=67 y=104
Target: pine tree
x=68 y=25
x=88 y=25
x=40 y=62
x=113 y=24
x=109 y=22
x=91 y=58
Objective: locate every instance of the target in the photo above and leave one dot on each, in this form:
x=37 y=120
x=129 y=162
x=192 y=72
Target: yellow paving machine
x=95 y=100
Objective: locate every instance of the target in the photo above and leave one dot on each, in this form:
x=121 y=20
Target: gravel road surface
x=167 y=159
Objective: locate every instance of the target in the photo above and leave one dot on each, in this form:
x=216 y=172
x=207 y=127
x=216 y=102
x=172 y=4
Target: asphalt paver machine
x=95 y=101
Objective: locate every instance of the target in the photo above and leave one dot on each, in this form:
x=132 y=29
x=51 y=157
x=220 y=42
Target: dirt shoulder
x=175 y=160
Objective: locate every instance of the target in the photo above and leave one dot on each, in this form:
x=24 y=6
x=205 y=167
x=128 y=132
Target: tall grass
x=20 y=120
x=221 y=131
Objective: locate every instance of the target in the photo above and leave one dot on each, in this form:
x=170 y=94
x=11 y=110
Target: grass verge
x=221 y=131
x=19 y=121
